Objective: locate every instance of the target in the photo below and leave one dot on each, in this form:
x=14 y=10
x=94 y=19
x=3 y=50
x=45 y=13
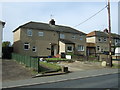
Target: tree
x=6 y=44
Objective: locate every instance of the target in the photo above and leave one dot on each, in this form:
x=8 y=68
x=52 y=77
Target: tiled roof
x=45 y=26
x=97 y=33
x=102 y=34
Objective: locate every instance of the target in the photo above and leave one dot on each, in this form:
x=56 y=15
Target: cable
x=91 y=16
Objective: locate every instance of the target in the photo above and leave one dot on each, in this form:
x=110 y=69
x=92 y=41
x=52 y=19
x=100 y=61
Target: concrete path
x=69 y=76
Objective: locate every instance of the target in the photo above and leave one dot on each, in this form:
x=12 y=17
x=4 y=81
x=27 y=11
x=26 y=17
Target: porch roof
x=90 y=44
x=66 y=41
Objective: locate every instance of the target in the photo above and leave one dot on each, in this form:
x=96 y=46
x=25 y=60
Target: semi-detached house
x=42 y=39
x=98 y=42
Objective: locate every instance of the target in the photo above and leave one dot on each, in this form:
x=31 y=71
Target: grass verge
x=51 y=66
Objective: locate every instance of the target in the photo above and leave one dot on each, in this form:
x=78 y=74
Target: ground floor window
x=69 y=48
x=26 y=46
x=80 y=48
x=34 y=49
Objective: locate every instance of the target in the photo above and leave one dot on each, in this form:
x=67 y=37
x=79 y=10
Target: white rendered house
x=1 y=35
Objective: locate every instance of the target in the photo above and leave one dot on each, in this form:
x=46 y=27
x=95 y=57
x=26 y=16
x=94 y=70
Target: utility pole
x=109 y=63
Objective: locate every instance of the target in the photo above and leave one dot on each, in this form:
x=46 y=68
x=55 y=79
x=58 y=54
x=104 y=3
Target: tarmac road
x=103 y=81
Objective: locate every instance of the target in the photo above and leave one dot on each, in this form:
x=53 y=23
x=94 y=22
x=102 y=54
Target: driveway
x=80 y=65
x=11 y=70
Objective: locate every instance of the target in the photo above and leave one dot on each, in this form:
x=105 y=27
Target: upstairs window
x=62 y=36
x=80 y=48
x=40 y=33
x=81 y=37
x=99 y=39
x=73 y=36
x=34 y=49
x=29 y=32
x=26 y=46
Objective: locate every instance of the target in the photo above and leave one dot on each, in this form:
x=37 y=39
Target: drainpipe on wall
x=58 y=41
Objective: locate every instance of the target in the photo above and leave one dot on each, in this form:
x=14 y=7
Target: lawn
x=51 y=66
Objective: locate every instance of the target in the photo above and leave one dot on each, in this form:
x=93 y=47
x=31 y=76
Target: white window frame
x=34 y=47
x=62 y=36
x=29 y=32
x=80 y=47
x=69 y=50
x=81 y=38
x=28 y=46
x=40 y=33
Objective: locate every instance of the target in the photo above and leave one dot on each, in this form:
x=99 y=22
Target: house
x=1 y=32
x=98 y=42
x=42 y=39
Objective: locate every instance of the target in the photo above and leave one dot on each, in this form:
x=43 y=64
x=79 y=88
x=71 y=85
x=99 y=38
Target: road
x=103 y=81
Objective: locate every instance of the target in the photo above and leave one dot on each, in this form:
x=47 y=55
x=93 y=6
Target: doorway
x=52 y=50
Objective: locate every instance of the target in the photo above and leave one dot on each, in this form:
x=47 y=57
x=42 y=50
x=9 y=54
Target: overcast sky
x=64 y=13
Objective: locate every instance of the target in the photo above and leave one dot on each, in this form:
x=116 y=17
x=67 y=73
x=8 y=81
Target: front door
x=52 y=50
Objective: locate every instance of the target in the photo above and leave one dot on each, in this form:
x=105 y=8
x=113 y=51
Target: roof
x=66 y=41
x=45 y=26
x=97 y=33
x=114 y=35
x=102 y=34
x=90 y=44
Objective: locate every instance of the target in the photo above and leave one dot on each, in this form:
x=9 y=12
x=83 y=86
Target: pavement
x=57 y=78
x=103 y=81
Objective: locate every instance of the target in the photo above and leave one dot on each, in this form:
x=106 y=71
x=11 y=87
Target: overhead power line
x=91 y=16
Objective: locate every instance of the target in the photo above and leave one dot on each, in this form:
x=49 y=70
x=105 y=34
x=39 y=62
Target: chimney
x=106 y=30
x=52 y=22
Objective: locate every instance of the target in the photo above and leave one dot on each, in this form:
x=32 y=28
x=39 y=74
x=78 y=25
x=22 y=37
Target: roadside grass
x=51 y=66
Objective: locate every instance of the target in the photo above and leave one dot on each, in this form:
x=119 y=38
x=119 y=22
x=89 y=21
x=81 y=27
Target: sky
x=64 y=13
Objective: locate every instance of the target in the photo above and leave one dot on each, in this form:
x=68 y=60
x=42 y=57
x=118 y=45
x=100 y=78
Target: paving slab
x=56 y=78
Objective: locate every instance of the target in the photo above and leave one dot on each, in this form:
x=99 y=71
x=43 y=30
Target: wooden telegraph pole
x=109 y=21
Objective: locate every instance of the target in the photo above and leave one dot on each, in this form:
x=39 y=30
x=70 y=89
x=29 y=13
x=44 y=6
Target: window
x=116 y=40
x=62 y=36
x=40 y=33
x=104 y=39
x=81 y=37
x=34 y=49
x=80 y=48
x=69 y=48
x=74 y=36
x=26 y=46
x=99 y=39
x=29 y=32
x=102 y=50
x=98 y=48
